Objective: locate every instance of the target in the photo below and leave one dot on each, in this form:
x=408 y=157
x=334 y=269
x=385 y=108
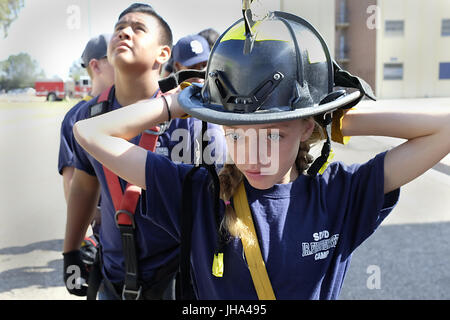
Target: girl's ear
x=164 y=55
x=308 y=129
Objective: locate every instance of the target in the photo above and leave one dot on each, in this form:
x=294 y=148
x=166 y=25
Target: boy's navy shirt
x=307 y=229
x=65 y=156
x=155 y=246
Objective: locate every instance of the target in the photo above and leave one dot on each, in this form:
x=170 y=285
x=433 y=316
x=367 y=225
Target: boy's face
x=266 y=154
x=135 y=42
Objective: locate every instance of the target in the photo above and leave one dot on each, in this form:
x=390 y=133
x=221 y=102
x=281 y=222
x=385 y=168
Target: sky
x=54 y=32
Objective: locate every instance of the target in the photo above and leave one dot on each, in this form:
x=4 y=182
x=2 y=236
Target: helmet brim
x=191 y=101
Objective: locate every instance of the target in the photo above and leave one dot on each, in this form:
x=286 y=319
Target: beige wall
x=321 y=14
x=420 y=49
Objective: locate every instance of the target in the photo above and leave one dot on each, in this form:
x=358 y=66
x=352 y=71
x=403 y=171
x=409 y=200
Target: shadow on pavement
x=49 y=245
x=46 y=274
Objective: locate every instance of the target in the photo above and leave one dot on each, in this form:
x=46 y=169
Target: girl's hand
x=175 y=109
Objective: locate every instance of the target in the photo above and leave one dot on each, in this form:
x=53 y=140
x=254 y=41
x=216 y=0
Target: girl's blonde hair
x=230 y=178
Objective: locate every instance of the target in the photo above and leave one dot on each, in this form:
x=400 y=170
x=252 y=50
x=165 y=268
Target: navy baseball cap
x=191 y=50
x=96 y=48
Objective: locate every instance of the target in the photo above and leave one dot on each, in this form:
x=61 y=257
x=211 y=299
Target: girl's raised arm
x=427 y=132
x=105 y=137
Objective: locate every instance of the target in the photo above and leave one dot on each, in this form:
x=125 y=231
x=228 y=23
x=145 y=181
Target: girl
x=273 y=79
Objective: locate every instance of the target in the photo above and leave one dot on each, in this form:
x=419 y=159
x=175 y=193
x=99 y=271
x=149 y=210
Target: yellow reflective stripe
x=262 y=34
x=87 y=98
x=217 y=268
x=336 y=127
x=252 y=252
x=327 y=163
x=237 y=32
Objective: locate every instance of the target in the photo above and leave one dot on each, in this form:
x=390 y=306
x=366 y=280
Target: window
x=445 y=28
x=394 y=27
x=444 y=71
x=343 y=18
x=343 y=48
x=393 y=71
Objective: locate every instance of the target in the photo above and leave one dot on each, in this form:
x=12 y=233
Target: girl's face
x=266 y=154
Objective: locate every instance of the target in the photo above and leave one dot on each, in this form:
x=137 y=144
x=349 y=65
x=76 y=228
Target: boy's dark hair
x=210 y=35
x=165 y=37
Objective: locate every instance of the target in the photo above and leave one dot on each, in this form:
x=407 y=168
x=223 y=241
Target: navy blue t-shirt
x=307 y=229
x=65 y=156
x=155 y=246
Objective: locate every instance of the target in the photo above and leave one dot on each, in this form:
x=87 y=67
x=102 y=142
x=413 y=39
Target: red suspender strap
x=115 y=190
x=128 y=205
x=104 y=95
x=125 y=203
x=125 y=206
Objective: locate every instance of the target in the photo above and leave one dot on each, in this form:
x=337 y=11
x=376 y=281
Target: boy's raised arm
x=105 y=137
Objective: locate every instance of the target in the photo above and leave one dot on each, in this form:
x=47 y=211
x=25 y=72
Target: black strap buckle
x=162 y=129
x=129 y=214
x=131 y=294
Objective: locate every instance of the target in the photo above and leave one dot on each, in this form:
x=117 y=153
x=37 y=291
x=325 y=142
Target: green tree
x=9 y=11
x=76 y=70
x=19 y=71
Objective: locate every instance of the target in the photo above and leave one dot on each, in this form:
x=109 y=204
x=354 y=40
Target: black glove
x=75 y=273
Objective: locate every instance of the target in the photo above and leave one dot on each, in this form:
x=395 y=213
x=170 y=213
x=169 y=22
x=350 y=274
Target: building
x=355 y=42
x=413 y=49
x=401 y=47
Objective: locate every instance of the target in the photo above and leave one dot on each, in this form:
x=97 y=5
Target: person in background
x=94 y=60
x=210 y=35
x=191 y=53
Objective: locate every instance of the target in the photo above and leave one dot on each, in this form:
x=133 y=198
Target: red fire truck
x=82 y=87
x=53 y=89
x=57 y=89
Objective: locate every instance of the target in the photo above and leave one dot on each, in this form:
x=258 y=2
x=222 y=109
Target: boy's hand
x=75 y=274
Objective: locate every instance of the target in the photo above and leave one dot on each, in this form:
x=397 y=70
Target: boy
x=140 y=45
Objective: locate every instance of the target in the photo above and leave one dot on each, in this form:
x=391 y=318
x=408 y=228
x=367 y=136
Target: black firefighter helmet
x=281 y=70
